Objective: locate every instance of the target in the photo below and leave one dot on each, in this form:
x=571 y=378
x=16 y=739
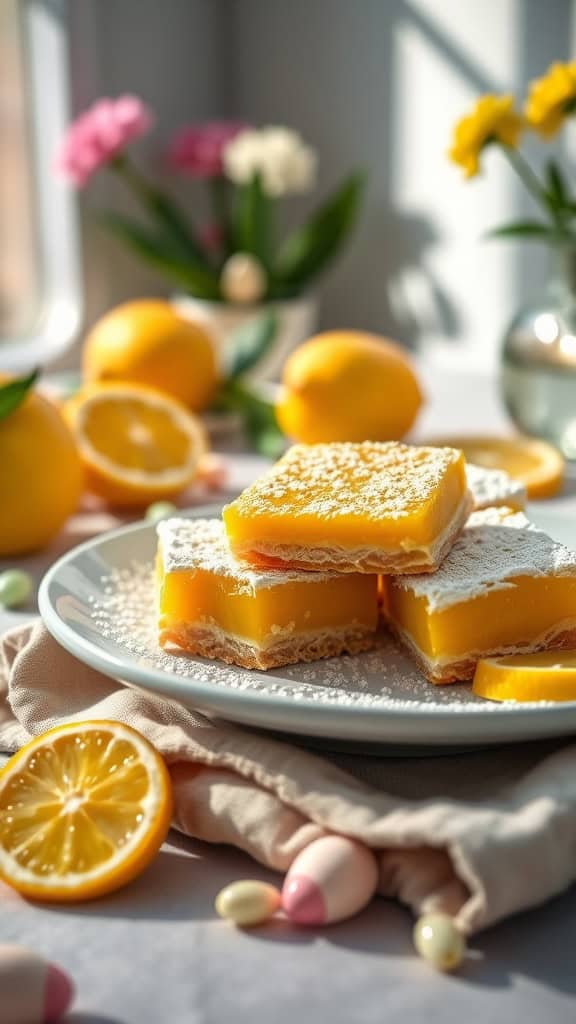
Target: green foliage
x=252 y=222
x=533 y=229
x=169 y=243
x=155 y=251
x=258 y=416
x=556 y=187
x=249 y=343
x=307 y=252
x=175 y=230
x=14 y=392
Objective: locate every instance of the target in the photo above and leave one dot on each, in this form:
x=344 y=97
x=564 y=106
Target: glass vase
x=538 y=376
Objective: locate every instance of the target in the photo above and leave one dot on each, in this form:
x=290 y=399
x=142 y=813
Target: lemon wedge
x=549 y=675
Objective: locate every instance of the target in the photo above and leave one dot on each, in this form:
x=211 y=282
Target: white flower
x=279 y=155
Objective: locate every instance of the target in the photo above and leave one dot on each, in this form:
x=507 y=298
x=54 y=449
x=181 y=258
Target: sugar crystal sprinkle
x=373 y=480
x=491 y=487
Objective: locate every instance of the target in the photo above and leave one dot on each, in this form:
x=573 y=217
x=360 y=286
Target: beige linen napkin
x=480 y=835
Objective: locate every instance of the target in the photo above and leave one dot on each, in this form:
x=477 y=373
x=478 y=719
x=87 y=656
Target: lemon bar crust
x=211 y=642
x=425 y=559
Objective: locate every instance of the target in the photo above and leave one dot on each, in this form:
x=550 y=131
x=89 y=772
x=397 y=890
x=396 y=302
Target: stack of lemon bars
x=338 y=541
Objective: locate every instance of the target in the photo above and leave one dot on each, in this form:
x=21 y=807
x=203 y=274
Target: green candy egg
x=16 y=587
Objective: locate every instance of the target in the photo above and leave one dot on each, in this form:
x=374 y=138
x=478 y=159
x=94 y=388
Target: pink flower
x=99 y=134
x=197 y=149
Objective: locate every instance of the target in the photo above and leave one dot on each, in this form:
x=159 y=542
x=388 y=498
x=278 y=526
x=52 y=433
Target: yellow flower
x=493 y=119
x=551 y=99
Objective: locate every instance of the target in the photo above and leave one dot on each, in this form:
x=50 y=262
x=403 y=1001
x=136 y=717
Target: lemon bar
x=505 y=588
x=370 y=507
x=213 y=606
x=492 y=487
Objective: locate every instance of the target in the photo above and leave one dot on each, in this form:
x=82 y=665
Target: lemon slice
x=137 y=445
x=550 y=675
x=83 y=810
x=536 y=464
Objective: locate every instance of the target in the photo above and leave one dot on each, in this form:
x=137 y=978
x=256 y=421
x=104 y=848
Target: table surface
x=155 y=953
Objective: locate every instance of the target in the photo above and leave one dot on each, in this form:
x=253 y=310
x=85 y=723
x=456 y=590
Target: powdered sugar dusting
x=495 y=545
x=371 y=480
x=491 y=487
x=386 y=678
x=192 y=544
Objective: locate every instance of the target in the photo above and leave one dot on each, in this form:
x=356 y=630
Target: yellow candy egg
x=438 y=941
x=247 y=902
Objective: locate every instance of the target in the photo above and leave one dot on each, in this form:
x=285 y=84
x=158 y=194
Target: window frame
x=45 y=40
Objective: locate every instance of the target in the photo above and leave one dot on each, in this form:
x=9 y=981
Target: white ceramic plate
x=98 y=602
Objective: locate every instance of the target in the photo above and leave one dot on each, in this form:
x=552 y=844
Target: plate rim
x=282 y=708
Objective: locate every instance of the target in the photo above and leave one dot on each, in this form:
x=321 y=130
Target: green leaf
x=556 y=185
x=249 y=343
x=313 y=246
x=258 y=415
x=525 y=229
x=14 y=392
x=252 y=221
x=176 y=230
x=200 y=282
x=172 y=222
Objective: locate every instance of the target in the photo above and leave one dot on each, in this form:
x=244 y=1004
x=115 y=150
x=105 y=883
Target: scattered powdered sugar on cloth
x=386 y=678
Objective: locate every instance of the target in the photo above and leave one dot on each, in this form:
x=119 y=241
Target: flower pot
x=538 y=375
x=297 y=319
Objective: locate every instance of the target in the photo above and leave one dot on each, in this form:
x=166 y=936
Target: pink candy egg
x=32 y=990
x=332 y=879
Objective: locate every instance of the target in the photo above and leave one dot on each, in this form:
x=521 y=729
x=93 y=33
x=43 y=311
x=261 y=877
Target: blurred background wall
x=373 y=83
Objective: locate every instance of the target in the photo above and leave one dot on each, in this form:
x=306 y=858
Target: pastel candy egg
x=159 y=510
x=332 y=879
x=247 y=902
x=32 y=990
x=243 y=279
x=438 y=941
x=16 y=587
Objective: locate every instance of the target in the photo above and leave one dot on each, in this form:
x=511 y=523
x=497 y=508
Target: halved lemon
x=536 y=463
x=83 y=810
x=549 y=675
x=137 y=445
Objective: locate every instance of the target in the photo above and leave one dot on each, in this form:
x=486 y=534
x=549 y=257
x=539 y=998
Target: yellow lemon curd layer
x=503 y=584
x=200 y=583
x=371 y=494
x=548 y=675
x=530 y=607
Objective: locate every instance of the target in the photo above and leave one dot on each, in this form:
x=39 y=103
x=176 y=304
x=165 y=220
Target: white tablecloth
x=155 y=953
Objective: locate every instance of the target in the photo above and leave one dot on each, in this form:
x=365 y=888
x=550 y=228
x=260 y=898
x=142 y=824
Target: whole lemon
x=40 y=475
x=148 y=342
x=348 y=386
